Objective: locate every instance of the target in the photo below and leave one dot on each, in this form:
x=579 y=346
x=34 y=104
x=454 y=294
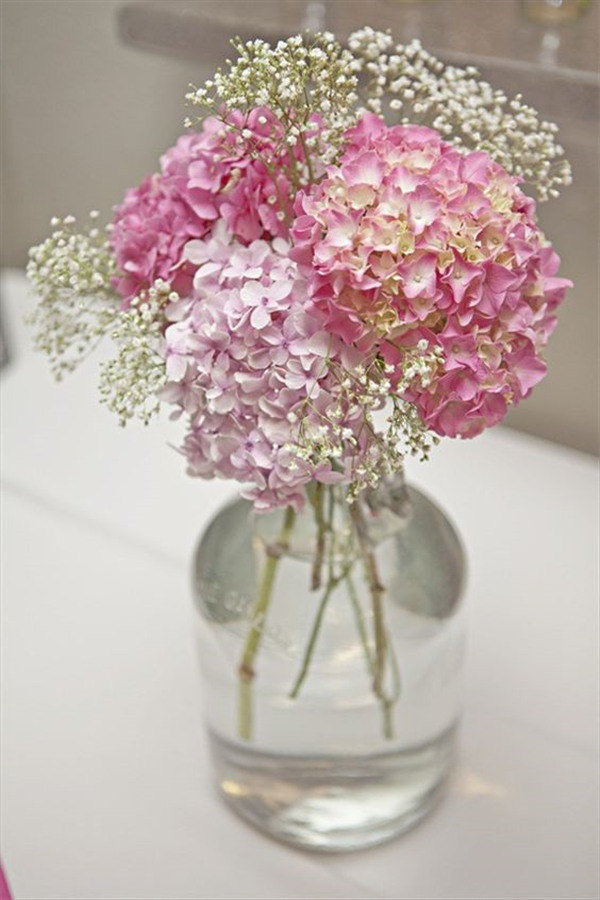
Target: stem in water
x=246 y=670
x=317 y=567
x=383 y=651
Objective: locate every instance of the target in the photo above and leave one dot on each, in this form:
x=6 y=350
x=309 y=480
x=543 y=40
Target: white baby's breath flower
x=71 y=274
x=462 y=107
x=298 y=78
x=130 y=382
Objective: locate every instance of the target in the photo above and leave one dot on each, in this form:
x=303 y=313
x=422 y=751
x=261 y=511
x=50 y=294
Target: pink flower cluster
x=246 y=358
x=212 y=175
x=150 y=230
x=414 y=268
x=410 y=240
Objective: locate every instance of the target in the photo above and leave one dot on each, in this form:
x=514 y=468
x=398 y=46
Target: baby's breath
x=466 y=111
x=129 y=383
x=374 y=451
x=71 y=274
x=299 y=78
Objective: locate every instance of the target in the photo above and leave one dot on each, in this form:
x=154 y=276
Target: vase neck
x=330 y=516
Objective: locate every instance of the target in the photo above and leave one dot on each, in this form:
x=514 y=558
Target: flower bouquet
x=334 y=268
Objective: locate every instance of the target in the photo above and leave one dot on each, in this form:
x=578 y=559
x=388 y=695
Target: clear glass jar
x=331 y=644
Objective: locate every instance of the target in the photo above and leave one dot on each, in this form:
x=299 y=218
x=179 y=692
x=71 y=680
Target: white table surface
x=107 y=789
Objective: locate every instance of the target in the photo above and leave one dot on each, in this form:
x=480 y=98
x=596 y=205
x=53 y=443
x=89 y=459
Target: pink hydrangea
x=248 y=360
x=410 y=240
x=207 y=176
x=150 y=230
x=219 y=175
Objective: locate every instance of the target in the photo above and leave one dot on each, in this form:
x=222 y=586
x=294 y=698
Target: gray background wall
x=85 y=115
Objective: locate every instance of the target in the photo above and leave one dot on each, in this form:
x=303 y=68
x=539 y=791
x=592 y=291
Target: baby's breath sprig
x=467 y=111
x=71 y=274
x=129 y=383
x=405 y=428
x=324 y=436
x=297 y=79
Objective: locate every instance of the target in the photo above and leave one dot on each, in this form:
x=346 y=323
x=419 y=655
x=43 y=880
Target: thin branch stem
x=246 y=670
x=383 y=646
x=314 y=634
x=360 y=622
x=332 y=582
x=377 y=591
x=388 y=701
x=317 y=501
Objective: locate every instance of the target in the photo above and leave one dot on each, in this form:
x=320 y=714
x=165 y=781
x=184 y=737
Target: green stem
x=332 y=582
x=388 y=701
x=246 y=669
x=317 y=501
x=311 y=174
x=308 y=653
x=377 y=591
x=380 y=633
x=384 y=653
x=360 y=621
x=383 y=647
x=396 y=677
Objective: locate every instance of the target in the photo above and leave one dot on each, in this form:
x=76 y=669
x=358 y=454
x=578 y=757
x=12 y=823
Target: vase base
x=333 y=803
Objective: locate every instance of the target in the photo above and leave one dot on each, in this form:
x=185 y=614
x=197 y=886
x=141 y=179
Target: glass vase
x=331 y=643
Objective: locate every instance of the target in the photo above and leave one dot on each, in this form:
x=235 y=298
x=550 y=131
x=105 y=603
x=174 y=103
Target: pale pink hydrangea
x=248 y=360
x=410 y=240
x=207 y=176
